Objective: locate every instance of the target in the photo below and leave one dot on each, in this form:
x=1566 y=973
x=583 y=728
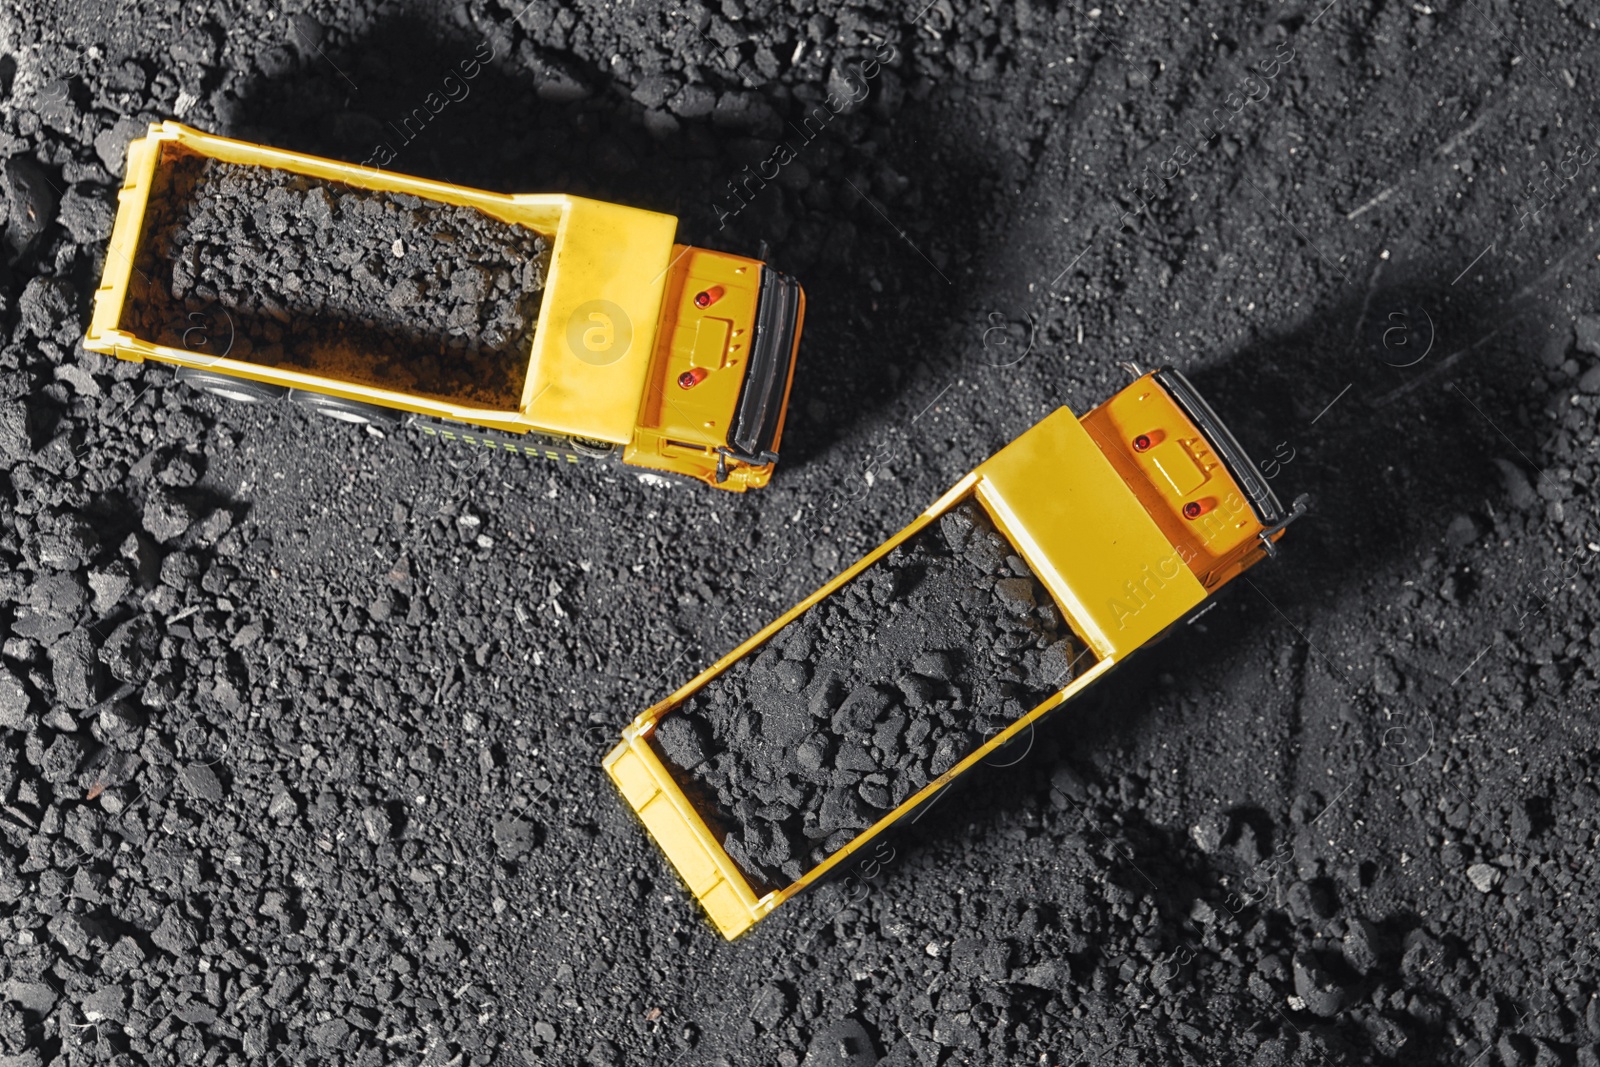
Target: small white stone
x=398 y=248
x=1482 y=876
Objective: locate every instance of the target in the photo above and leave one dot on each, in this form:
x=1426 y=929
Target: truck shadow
x=417 y=97
x=1408 y=468
x=1394 y=448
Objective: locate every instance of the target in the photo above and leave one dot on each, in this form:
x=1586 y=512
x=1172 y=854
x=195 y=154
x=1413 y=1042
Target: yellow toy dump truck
x=1083 y=540
x=546 y=325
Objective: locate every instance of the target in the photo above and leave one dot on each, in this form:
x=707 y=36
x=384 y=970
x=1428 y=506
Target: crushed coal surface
x=870 y=695
x=380 y=288
x=1348 y=817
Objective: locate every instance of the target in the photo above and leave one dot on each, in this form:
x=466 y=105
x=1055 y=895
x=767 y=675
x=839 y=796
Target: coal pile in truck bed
x=383 y=289
x=869 y=696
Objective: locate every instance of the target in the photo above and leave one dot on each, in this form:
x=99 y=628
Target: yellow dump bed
x=1079 y=516
x=606 y=277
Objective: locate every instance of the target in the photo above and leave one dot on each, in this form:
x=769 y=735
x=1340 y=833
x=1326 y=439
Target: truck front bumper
x=758 y=417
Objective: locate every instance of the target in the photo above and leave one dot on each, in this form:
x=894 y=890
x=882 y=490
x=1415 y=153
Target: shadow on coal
x=421 y=98
x=1413 y=449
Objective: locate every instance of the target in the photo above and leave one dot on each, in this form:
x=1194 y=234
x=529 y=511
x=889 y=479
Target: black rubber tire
x=353 y=412
x=593 y=449
x=229 y=387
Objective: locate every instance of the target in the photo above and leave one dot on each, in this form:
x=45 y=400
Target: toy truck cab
x=1193 y=477
x=715 y=396
x=1128 y=518
x=672 y=358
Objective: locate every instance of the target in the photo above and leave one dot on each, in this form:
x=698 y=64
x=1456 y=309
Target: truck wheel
x=228 y=387
x=352 y=411
x=593 y=449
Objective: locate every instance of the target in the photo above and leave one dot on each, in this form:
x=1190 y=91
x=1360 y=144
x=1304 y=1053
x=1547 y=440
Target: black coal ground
x=869 y=695
x=384 y=289
x=352 y=807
